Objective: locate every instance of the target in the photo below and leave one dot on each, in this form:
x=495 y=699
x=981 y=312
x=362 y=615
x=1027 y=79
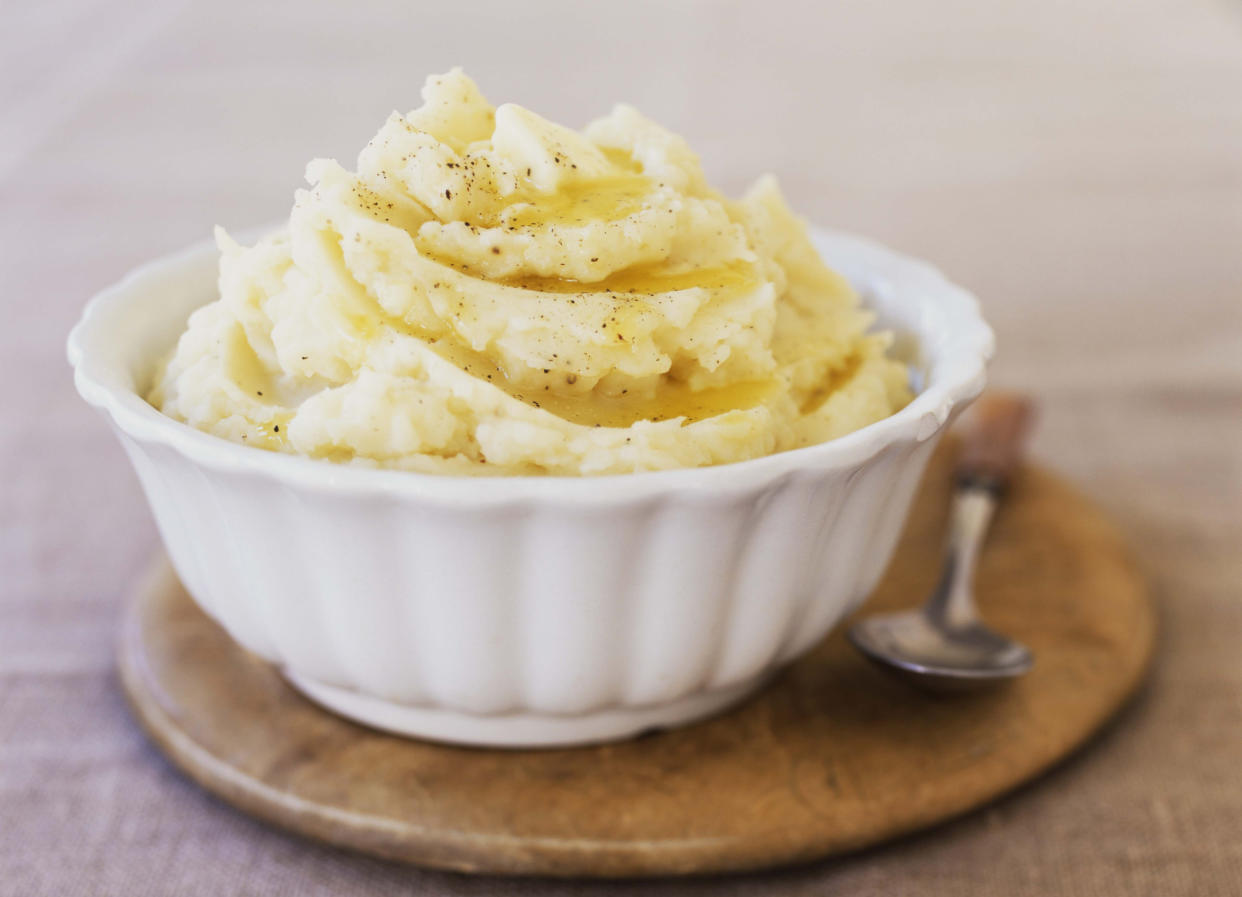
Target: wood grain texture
x=832 y=756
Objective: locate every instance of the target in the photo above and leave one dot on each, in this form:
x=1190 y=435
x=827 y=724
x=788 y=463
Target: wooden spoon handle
x=994 y=439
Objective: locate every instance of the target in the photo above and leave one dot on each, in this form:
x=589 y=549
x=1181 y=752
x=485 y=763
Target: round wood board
x=832 y=756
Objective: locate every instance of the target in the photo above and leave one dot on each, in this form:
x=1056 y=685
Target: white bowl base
x=519 y=730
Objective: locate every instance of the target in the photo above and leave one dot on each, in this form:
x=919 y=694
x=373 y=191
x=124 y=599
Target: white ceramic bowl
x=529 y=610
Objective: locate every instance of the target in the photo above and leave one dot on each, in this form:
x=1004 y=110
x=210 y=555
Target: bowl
x=530 y=611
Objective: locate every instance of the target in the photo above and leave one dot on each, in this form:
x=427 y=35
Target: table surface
x=1079 y=165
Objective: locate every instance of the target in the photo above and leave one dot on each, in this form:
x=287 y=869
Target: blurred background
x=1077 y=164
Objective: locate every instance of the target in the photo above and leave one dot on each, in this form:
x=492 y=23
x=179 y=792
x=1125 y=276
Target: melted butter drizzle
x=834 y=381
x=672 y=398
x=606 y=199
x=618 y=194
x=646 y=281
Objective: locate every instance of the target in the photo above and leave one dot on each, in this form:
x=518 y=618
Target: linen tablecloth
x=1079 y=165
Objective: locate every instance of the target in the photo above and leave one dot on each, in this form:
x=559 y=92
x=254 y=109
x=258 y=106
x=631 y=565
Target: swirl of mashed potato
x=493 y=293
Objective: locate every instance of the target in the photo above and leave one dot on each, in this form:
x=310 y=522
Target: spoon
x=944 y=645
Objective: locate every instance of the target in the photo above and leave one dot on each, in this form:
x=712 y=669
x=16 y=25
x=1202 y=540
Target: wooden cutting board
x=832 y=756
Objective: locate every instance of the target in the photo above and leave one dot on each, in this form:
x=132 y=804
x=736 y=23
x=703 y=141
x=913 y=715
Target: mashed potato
x=490 y=292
